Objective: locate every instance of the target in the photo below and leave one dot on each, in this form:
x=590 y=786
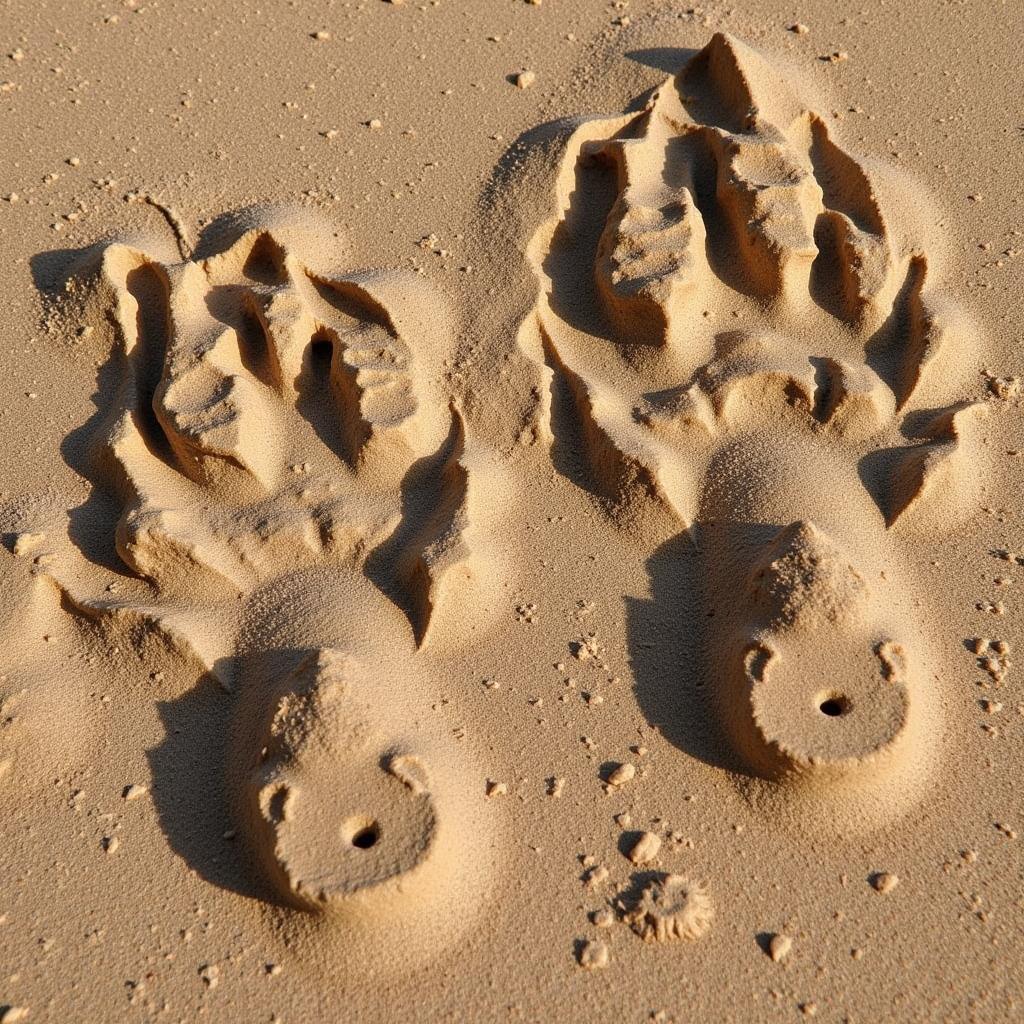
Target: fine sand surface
x=511 y=511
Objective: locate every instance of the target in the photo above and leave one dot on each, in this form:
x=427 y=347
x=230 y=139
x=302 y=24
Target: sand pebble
x=111 y=844
x=603 y=918
x=496 y=788
x=645 y=849
x=210 y=973
x=595 y=876
x=884 y=881
x=779 y=947
x=525 y=79
x=12 y=1014
x=799 y=28
x=555 y=787
x=622 y=774
x=133 y=792
x=594 y=955
x=321 y=36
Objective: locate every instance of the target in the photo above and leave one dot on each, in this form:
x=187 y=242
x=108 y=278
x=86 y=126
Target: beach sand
x=511 y=511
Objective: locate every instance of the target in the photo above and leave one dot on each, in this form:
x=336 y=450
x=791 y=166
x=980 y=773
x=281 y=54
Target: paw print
x=738 y=325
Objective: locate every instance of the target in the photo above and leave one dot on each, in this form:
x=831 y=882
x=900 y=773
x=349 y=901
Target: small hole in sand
x=834 y=706
x=366 y=837
x=361 y=832
x=321 y=353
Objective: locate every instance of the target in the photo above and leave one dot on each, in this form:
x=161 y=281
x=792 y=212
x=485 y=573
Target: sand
x=511 y=511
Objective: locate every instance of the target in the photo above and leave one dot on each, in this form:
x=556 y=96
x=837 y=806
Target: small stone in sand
x=496 y=788
x=799 y=28
x=13 y=1014
x=133 y=792
x=884 y=882
x=779 y=947
x=645 y=849
x=594 y=956
x=603 y=918
x=525 y=79
x=621 y=774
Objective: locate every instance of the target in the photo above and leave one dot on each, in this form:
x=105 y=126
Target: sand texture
x=511 y=511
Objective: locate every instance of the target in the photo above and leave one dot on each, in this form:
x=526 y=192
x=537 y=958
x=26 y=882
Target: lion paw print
x=738 y=327
x=297 y=501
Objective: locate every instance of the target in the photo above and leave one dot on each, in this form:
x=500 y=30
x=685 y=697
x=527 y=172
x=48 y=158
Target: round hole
x=833 y=706
x=366 y=838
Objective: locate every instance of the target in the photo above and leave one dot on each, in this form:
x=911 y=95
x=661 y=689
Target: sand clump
x=594 y=956
x=645 y=849
x=779 y=947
